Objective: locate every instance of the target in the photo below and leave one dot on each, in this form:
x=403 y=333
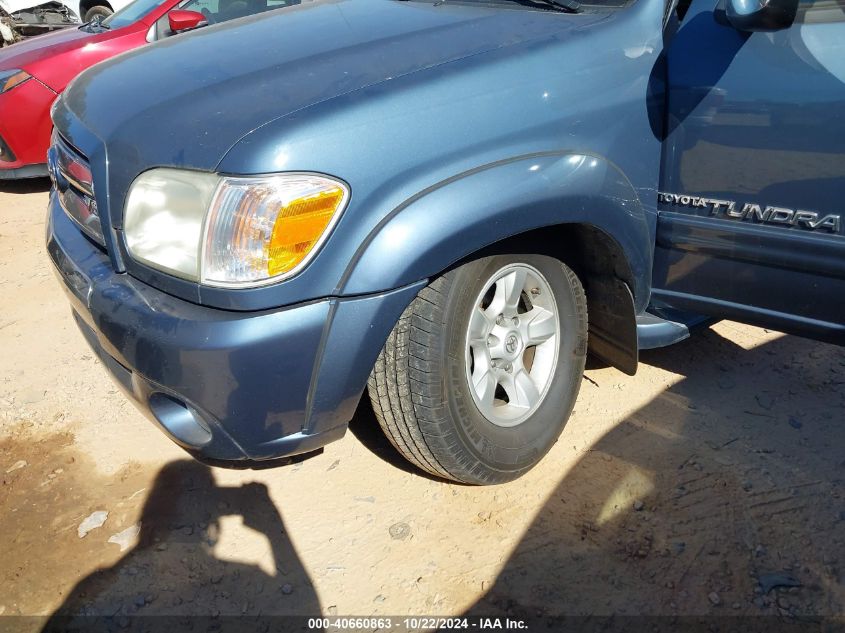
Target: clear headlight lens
x=11 y=78
x=230 y=232
x=164 y=218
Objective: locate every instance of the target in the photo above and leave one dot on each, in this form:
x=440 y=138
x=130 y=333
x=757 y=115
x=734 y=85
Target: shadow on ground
x=30 y=185
x=173 y=568
x=711 y=499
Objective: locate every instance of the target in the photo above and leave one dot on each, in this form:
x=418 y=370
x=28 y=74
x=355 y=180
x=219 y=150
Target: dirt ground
x=690 y=489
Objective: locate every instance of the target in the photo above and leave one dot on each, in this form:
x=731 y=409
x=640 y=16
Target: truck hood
x=185 y=101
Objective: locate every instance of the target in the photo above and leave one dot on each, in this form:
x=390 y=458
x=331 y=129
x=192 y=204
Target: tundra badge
x=750 y=212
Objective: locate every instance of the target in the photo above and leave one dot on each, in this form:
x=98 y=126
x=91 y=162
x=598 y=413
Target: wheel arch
x=600 y=263
x=577 y=207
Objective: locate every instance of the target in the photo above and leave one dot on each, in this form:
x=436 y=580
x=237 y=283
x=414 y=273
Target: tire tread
x=407 y=392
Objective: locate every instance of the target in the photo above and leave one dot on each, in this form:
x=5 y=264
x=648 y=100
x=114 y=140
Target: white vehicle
x=21 y=18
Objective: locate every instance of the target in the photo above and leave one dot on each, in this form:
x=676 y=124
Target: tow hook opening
x=180 y=420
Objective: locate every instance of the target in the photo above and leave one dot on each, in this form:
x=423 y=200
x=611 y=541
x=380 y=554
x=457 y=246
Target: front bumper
x=225 y=385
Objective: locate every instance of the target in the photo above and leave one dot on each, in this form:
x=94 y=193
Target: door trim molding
x=770 y=246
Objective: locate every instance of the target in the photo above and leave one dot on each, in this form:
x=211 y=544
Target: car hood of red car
x=34 y=51
x=39 y=56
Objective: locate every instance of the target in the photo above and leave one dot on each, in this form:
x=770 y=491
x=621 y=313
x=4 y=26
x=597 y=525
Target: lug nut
x=509 y=368
x=500 y=320
x=515 y=321
x=491 y=341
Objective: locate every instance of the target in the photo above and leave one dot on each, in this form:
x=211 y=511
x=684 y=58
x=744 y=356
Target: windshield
x=132 y=12
x=539 y=5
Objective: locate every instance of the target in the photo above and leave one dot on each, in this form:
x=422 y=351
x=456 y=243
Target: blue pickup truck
x=444 y=205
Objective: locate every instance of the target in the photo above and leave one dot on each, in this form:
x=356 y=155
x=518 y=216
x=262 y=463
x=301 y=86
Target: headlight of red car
x=11 y=78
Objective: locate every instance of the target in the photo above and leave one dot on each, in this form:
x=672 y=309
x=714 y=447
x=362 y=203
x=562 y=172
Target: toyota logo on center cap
x=511 y=343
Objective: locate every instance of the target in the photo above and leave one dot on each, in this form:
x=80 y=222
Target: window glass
x=531 y=4
x=216 y=11
x=821 y=11
x=131 y=13
x=222 y=10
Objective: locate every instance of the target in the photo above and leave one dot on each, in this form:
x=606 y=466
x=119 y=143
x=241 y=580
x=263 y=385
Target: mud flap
x=613 y=323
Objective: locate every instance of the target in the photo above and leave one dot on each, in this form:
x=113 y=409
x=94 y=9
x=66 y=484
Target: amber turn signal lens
x=298 y=227
x=12 y=78
x=262 y=229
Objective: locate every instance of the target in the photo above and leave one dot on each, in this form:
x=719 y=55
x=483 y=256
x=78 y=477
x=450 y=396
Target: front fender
x=459 y=216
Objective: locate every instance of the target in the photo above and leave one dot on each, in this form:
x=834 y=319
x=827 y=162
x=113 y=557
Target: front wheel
x=480 y=374
x=97 y=11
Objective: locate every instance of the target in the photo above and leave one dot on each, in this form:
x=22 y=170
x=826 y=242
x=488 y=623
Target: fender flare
x=457 y=217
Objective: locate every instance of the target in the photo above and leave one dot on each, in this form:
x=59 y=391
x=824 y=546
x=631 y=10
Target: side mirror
x=185 y=20
x=761 y=15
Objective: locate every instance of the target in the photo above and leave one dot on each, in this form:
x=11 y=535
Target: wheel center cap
x=512 y=343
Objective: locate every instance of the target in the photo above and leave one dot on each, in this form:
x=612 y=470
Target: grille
x=74 y=185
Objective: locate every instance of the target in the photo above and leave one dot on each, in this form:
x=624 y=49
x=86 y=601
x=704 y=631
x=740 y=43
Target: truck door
x=751 y=222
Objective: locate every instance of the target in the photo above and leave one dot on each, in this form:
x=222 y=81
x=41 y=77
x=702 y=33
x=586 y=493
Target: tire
x=431 y=384
x=96 y=10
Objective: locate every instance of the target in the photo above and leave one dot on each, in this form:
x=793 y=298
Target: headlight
x=11 y=78
x=230 y=232
x=165 y=211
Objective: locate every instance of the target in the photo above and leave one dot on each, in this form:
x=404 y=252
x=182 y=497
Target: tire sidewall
x=94 y=11
x=508 y=452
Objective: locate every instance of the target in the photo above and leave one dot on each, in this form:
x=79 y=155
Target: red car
x=34 y=72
